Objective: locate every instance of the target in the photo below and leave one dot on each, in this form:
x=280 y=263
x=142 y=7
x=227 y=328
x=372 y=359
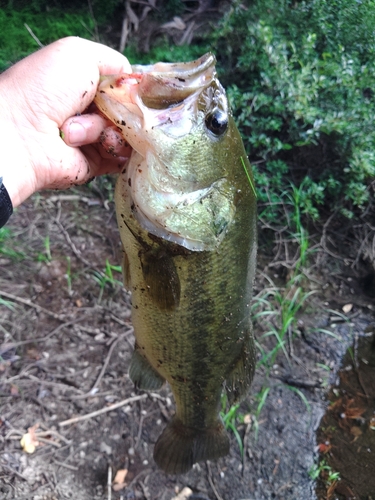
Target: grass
x=107 y=277
x=230 y=419
x=6 y=249
x=282 y=306
x=248 y=177
x=7 y=303
x=276 y=308
x=325 y=471
x=260 y=399
x=68 y=276
x=45 y=256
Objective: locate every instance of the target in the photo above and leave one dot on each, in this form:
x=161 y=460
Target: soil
x=65 y=343
x=347 y=430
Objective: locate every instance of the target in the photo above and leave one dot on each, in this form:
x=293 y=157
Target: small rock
x=105 y=448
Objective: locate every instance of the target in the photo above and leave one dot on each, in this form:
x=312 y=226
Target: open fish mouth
x=167 y=84
x=163 y=85
x=167 y=112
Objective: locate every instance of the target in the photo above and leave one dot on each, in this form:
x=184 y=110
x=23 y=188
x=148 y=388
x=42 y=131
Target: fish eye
x=217 y=122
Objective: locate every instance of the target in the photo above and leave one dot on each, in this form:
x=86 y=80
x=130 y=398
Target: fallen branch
x=27 y=302
x=103 y=410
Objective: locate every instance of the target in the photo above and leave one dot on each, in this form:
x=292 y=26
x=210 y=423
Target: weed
x=107 y=277
x=324 y=470
x=230 y=418
x=260 y=398
x=248 y=177
x=68 y=276
x=7 y=303
x=45 y=256
x=327 y=332
x=300 y=394
x=325 y=380
x=5 y=249
x=282 y=308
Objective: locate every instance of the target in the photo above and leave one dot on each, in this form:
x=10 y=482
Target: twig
x=14 y=472
x=120 y=322
x=27 y=302
x=33 y=35
x=103 y=410
x=145 y=489
x=40 y=381
x=303 y=384
x=136 y=478
x=43 y=339
x=74 y=197
x=246 y=445
x=89 y=395
x=124 y=34
x=138 y=438
x=97 y=37
x=217 y=494
x=157 y=396
x=109 y=482
x=76 y=252
x=47 y=441
x=67 y=466
x=98 y=380
x=52 y=432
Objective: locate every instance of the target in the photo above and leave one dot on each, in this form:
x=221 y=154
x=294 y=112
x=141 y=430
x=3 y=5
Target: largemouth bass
x=186 y=210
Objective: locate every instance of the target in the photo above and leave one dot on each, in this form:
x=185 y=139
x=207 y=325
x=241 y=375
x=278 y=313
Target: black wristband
x=6 y=207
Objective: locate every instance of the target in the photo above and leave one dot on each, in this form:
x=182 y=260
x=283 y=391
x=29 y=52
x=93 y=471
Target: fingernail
x=77 y=134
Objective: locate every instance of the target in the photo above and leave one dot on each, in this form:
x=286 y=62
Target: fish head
x=177 y=119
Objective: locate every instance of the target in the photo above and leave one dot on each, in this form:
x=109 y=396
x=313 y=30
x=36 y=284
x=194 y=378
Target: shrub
x=300 y=78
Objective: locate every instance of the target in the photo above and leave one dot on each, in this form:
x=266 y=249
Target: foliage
x=16 y=42
x=325 y=471
x=107 y=277
x=6 y=247
x=276 y=307
x=230 y=418
x=300 y=76
x=166 y=52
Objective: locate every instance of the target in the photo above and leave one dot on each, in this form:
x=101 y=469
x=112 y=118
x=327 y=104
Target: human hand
x=41 y=95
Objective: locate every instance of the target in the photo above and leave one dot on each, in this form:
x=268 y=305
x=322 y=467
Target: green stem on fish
x=248 y=177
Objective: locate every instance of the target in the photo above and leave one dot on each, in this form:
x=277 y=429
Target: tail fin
x=179 y=447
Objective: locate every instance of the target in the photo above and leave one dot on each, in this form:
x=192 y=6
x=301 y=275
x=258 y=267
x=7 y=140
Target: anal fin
x=143 y=375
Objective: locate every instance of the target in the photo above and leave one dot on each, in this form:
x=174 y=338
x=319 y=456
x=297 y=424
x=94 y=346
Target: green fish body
x=186 y=210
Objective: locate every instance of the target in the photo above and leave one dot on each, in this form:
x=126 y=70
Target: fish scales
x=190 y=262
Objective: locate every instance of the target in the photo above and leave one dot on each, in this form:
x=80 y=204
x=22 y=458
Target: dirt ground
x=66 y=341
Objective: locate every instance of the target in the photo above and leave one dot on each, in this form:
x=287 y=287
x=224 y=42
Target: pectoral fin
x=162 y=280
x=240 y=378
x=143 y=375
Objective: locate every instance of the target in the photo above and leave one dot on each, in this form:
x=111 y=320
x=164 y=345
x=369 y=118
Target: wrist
x=6 y=207
x=17 y=172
